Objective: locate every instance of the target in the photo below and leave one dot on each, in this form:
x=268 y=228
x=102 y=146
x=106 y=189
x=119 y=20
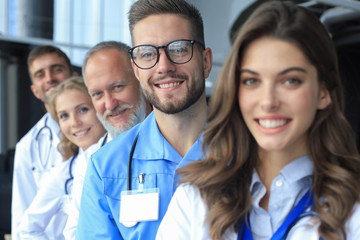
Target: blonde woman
x=81 y=130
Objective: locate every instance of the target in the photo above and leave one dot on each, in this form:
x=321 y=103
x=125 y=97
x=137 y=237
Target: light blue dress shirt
x=287 y=189
x=106 y=178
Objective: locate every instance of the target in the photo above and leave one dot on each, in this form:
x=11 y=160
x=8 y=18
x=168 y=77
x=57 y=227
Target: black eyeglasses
x=178 y=51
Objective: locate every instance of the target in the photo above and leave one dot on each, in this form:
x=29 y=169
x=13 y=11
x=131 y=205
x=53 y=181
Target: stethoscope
x=130 y=162
x=71 y=177
x=299 y=212
x=42 y=163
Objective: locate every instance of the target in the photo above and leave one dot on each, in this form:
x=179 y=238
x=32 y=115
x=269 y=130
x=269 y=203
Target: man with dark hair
x=36 y=153
x=130 y=181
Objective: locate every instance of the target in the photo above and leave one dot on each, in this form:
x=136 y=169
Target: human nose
x=164 y=63
x=49 y=76
x=269 y=98
x=75 y=121
x=110 y=102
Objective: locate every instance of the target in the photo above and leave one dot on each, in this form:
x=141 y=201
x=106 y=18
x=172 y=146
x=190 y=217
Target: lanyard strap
x=305 y=202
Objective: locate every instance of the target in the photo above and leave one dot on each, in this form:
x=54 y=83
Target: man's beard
x=137 y=116
x=195 y=89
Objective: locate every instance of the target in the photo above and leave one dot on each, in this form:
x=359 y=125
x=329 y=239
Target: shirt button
x=275 y=206
x=279 y=183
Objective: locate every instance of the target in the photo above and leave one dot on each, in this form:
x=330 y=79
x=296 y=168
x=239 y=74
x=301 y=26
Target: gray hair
x=121 y=47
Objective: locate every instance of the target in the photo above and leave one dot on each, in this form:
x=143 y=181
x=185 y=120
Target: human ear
x=136 y=70
x=207 y=58
x=325 y=98
x=35 y=92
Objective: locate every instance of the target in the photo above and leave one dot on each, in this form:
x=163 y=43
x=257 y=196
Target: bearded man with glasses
x=130 y=181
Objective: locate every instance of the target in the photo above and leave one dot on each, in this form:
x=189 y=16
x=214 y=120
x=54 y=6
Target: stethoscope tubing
x=130 y=162
x=71 y=177
x=42 y=163
x=70 y=174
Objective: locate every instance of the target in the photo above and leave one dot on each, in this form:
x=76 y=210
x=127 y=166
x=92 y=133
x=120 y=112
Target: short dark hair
x=145 y=8
x=48 y=49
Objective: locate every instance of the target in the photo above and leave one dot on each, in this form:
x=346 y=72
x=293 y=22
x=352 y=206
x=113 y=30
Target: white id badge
x=139 y=205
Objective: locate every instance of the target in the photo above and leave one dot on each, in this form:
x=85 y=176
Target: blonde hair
x=66 y=147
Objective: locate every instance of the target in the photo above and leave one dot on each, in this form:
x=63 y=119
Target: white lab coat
x=79 y=176
x=28 y=172
x=51 y=201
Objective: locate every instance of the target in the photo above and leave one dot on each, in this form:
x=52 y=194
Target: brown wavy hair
x=66 y=148
x=224 y=177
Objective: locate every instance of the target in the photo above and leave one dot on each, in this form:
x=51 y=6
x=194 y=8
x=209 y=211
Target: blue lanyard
x=296 y=213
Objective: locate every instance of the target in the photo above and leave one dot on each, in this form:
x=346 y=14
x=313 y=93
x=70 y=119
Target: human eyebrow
x=297 y=69
x=248 y=71
x=38 y=72
x=57 y=65
x=61 y=113
x=93 y=91
x=82 y=105
x=118 y=82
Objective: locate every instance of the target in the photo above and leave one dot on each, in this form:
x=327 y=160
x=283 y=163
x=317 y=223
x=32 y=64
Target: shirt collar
x=52 y=124
x=157 y=147
x=94 y=147
x=294 y=171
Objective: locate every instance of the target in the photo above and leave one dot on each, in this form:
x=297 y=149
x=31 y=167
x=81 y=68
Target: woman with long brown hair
x=280 y=158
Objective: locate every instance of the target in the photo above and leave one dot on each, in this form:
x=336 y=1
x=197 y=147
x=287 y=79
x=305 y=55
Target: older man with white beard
x=117 y=98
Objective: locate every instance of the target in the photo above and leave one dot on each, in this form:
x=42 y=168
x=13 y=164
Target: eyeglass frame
x=192 y=42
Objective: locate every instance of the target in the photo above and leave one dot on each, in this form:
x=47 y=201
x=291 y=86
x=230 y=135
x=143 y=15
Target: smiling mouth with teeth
x=268 y=123
x=81 y=133
x=168 y=85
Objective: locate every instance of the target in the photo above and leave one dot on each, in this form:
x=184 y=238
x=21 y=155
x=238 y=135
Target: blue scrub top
x=106 y=178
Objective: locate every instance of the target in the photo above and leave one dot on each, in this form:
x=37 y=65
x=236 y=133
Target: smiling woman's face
x=279 y=95
x=77 y=118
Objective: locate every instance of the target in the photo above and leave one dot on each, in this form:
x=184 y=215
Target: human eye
x=39 y=75
x=118 y=87
x=292 y=81
x=63 y=116
x=58 y=69
x=178 y=48
x=146 y=53
x=96 y=95
x=249 y=81
x=83 y=109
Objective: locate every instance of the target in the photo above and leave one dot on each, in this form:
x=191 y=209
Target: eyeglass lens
x=179 y=52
